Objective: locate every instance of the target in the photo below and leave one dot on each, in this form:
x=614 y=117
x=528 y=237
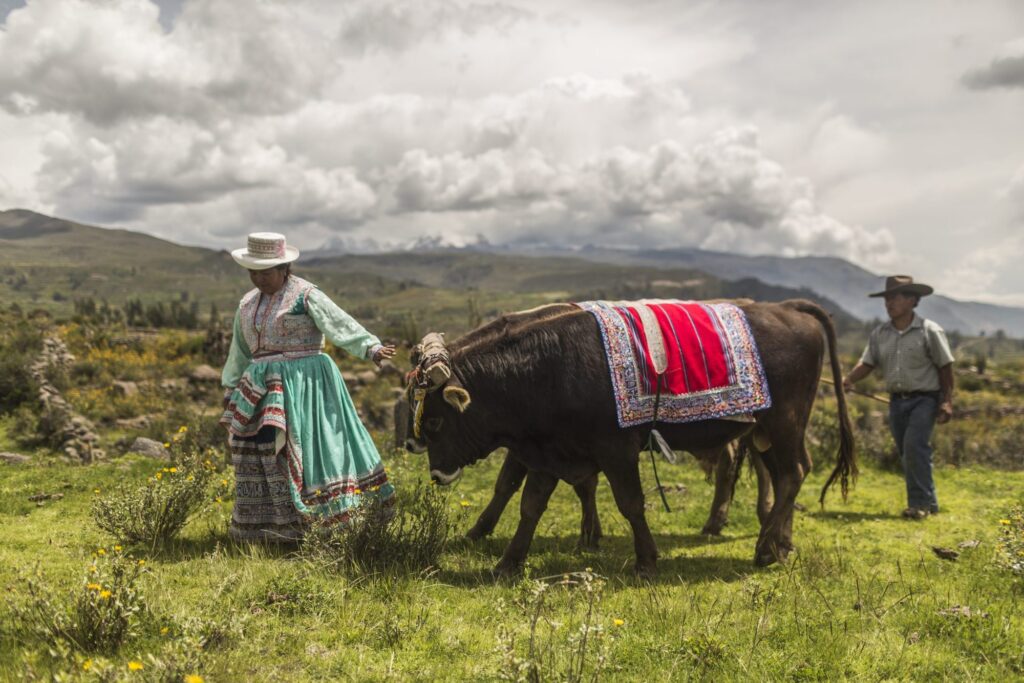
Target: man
x=914 y=358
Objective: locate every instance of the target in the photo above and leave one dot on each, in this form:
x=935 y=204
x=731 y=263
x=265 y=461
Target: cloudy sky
x=890 y=133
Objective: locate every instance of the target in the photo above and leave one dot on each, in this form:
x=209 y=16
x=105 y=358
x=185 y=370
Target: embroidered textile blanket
x=703 y=356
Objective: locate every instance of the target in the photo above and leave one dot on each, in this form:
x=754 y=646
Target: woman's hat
x=264 y=250
x=903 y=284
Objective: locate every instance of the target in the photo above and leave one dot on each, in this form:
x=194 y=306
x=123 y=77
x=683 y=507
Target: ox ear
x=456 y=395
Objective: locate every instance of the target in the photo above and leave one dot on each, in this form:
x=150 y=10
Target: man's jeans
x=911 y=420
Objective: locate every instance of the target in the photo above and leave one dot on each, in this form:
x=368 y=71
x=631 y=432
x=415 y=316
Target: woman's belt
x=272 y=356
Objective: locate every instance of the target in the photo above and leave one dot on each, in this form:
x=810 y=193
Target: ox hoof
x=589 y=543
x=645 y=572
x=507 y=570
x=475 y=534
x=767 y=556
x=712 y=529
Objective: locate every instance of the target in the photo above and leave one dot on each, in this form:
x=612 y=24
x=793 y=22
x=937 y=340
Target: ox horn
x=435 y=363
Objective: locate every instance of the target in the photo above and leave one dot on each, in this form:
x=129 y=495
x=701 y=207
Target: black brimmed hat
x=903 y=284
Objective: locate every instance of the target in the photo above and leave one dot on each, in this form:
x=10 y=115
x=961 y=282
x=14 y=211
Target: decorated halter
x=433 y=369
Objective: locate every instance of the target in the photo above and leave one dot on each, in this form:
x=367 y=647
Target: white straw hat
x=264 y=250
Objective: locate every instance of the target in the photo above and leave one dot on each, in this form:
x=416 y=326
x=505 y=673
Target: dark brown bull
x=538 y=383
x=724 y=466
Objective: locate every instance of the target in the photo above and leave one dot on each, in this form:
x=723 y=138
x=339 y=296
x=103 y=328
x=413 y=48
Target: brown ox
x=725 y=466
x=538 y=384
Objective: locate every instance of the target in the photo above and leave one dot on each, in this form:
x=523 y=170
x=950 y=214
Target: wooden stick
x=859 y=393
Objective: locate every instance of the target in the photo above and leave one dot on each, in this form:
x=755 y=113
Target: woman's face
x=269 y=281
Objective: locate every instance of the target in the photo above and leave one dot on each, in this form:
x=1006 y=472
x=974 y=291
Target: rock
x=173 y=384
x=389 y=369
x=125 y=388
x=134 y=423
x=350 y=379
x=367 y=377
x=204 y=373
x=945 y=553
x=149 y=448
x=14 y=458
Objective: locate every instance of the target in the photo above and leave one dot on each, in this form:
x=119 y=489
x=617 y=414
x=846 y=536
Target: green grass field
x=863 y=598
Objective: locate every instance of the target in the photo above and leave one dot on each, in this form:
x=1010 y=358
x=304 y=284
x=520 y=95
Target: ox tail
x=846 y=461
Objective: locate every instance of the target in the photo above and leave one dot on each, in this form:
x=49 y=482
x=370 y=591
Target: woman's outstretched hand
x=384 y=353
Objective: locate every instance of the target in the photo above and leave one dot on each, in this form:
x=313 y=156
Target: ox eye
x=433 y=424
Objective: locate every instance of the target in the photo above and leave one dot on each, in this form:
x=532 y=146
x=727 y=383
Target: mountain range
x=48 y=261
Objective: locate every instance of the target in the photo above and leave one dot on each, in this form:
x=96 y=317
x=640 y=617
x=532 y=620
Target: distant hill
x=832 y=278
x=47 y=263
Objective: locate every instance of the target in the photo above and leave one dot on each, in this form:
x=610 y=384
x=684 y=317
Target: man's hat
x=264 y=250
x=903 y=284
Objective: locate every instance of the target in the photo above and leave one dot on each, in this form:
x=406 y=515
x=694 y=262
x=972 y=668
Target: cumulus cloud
x=392 y=25
x=239 y=118
x=1006 y=70
x=112 y=61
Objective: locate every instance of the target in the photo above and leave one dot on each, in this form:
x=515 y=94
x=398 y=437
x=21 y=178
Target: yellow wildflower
x=464 y=503
x=182 y=429
x=93 y=586
x=92 y=569
x=101 y=551
x=135 y=666
x=142 y=563
x=358 y=492
x=164 y=631
x=105 y=595
x=94 y=491
x=619 y=622
x=1004 y=522
x=173 y=470
x=224 y=482
x=117 y=548
x=193 y=678
x=87 y=664
x=167 y=445
x=159 y=476
x=219 y=499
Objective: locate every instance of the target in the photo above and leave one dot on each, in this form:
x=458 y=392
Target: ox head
x=438 y=402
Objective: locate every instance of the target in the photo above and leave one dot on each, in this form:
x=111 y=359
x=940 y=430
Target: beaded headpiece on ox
x=264 y=250
x=433 y=369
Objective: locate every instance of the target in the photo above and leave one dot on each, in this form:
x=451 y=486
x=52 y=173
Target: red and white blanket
x=703 y=357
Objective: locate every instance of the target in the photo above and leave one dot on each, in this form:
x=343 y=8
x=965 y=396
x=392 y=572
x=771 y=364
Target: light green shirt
x=909 y=360
x=338 y=326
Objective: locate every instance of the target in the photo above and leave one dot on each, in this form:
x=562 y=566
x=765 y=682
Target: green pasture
x=864 y=597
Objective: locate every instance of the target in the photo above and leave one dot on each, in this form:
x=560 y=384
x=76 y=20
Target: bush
x=380 y=539
x=99 y=615
x=155 y=512
x=564 y=642
x=1010 y=547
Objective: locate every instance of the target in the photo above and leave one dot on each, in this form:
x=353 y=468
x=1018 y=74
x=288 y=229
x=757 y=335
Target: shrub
x=155 y=512
x=410 y=537
x=99 y=615
x=565 y=643
x=1010 y=547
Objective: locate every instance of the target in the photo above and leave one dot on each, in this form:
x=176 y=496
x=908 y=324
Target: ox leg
x=787 y=473
x=590 y=524
x=726 y=472
x=510 y=478
x=536 y=493
x=764 y=486
x=624 y=478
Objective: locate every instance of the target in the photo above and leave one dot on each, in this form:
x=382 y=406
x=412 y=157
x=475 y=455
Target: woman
x=299 y=450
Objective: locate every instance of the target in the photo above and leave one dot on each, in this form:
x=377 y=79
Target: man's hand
x=847 y=385
x=383 y=353
x=945 y=412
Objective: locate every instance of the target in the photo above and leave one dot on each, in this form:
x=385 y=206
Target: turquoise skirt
x=300 y=452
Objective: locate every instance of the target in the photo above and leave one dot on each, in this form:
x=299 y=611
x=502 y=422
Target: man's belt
x=903 y=395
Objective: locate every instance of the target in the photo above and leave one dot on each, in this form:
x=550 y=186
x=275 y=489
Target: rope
x=650 y=447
